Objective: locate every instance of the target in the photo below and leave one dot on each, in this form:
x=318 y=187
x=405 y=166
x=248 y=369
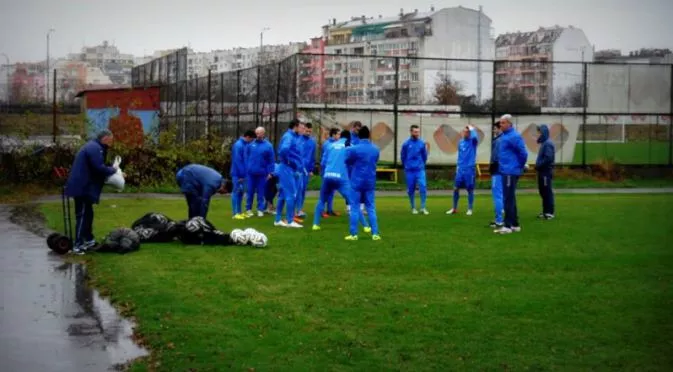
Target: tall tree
x=447 y=90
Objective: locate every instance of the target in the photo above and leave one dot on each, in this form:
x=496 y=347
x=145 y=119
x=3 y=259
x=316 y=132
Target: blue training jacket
x=545 y=156
x=335 y=165
x=467 y=152
x=354 y=138
x=323 y=158
x=414 y=154
x=512 y=154
x=289 y=151
x=309 y=153
x=238 y=161
x=363 y=158
x=260 y=157
x=89 y=172
x=197 y=179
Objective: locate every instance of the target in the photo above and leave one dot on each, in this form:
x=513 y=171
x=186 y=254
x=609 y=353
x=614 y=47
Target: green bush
x=153 y=163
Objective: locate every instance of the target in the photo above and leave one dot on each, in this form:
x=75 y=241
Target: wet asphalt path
x=49 y=319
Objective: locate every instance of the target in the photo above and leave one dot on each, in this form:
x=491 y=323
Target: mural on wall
x=442 y=132
x=129 y=113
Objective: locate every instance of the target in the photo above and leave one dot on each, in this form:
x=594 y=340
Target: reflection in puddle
x=95 y=323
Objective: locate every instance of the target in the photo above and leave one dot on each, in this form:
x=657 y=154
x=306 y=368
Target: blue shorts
x=464 y=180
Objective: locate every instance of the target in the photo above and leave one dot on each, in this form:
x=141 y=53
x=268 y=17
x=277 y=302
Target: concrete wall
x=572 y=45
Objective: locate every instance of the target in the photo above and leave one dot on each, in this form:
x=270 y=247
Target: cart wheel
x=61 y=245
x=50 y=239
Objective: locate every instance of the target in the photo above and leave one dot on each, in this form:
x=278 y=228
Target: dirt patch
x=30 y=218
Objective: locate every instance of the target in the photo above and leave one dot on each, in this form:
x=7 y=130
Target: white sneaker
x=280 y=223
x=451 y=211
x=248 y=214
x=516 y=228
x=425 y=211
x=260 y=214
x=414 y=211
x=469 y=212
x=503 y=230
x=294 y=225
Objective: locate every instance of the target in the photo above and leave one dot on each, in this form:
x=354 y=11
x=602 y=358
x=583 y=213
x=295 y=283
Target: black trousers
x=544 y=186
x=509 y=183
x=83 y=220
x=194 y=206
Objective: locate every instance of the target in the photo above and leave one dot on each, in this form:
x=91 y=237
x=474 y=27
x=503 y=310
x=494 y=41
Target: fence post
x=493 y=92
x=670 y=123
x=221 y=126
x=275 y=129
x=584 y=114
x=259 y=72
x=395 y=109
x=208 y=117
x=238 y=102
x=53 y=111
x=295 y=86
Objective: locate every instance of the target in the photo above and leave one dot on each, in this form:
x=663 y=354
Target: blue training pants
x=413 y=179
x=328 y=187
x=496 y=193
x=256 y=185
x=366 y=197
x=287 y=192
x=301 y=197
x=237 y=197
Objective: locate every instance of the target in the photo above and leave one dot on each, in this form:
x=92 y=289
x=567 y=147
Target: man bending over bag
x=199 y=183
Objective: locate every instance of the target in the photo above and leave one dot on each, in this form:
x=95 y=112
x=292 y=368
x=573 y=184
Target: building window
x=414 y=76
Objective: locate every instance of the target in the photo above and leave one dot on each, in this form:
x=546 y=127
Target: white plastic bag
x=116 y=180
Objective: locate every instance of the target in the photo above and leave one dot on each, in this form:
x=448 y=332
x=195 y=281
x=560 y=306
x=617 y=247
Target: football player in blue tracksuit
x=355 y=128
x=334 y=136
x=308 y=150
x=544 y=165
x=364 y=157
x=260 y=163
x=512 y=157
x=335 y=178
x=85 y=184
x=465 y=169
x=199 y=183
x=414 y=155
x=238 y=173
x=290 y=165
x=496 y=179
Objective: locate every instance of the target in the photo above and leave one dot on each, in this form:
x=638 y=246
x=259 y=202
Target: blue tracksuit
x=467 y=161
x=330 y=198
x=85 y=184
x=289 y=167
x=308 y=151
x=496 y=181
x=544 y=165
x=238 y=174
x=354 y=138
x=260 y=161
x=335 y=178
x=363 y=158
x=512 y=157
x=414 y=156
x=198 y=183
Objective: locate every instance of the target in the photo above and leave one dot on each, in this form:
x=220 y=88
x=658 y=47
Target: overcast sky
x=142 y=26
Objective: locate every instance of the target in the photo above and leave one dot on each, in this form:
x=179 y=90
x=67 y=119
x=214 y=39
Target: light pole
x=261 y=43
x=46 y=98
x=8 y=86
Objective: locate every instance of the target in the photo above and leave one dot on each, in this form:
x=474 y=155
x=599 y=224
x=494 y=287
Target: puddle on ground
x=95 y=322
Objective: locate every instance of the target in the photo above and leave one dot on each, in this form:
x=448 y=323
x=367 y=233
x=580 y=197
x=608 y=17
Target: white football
x=259 y=240
x=239 y=237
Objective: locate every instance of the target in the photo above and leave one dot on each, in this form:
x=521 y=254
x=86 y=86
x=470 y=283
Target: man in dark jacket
x=544 y=165
x=199 y=183
x=512 y=157
x=85 y=184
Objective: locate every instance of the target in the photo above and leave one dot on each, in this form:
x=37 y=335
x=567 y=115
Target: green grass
x=591 y=290
x=655 y=152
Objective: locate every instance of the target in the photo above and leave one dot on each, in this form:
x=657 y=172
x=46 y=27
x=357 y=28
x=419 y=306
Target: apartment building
x=526 y=63
x=311 y=87
x=435 y=35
